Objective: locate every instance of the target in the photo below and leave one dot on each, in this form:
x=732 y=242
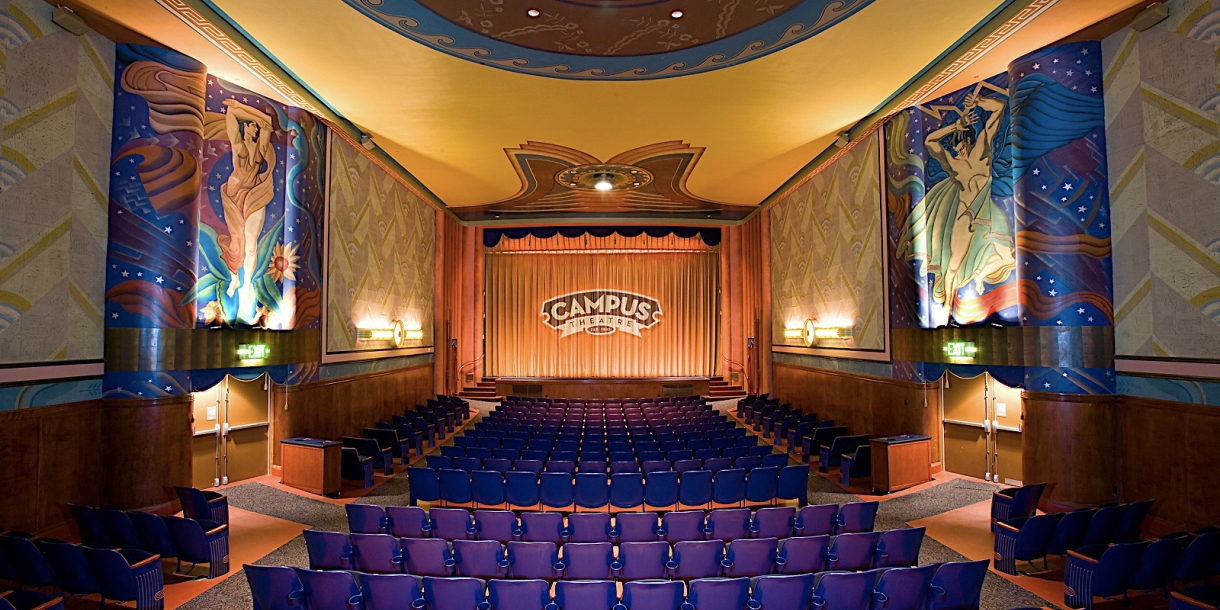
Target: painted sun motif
x=283 y=262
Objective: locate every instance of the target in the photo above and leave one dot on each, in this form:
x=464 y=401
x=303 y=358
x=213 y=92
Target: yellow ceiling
x=448 y=120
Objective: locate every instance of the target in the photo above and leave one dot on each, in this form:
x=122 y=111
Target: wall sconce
x=813 y=333
x=396 y=334
x=794 y=333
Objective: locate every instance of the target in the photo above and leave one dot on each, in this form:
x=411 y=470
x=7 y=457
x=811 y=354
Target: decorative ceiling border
x=231 y=47
x=416 y=22
x=981 y=48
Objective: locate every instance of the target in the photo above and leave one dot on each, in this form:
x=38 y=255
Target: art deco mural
x=382 y=254
x=999 y=214
x=214 y=203
x=54 y=160
x=1164 y=162
x=826 y=252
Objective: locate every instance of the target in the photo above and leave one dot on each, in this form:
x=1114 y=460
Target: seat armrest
x=1008 y=528
x=1081 y=557
x=148 y=560
x=220 y=528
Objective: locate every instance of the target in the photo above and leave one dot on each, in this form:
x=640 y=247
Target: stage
x=555 y=387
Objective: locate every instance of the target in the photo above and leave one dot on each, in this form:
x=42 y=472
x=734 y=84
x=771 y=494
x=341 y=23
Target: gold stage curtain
x=682 y=275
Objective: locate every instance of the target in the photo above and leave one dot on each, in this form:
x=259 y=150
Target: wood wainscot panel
x=345 y=406
x=20 y=452
x=601 y=388
x=69 y=460
x=146 y=449
x=1069 y=443
x=875 y=406
x=1169 y=453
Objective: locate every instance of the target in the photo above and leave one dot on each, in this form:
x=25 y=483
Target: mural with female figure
x=998 y=215
x=214 y=202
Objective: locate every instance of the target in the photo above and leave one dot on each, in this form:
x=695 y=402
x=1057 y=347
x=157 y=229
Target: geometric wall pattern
x=1162 y=112
x=826 y=247
x=56 y=112
x=382 y=263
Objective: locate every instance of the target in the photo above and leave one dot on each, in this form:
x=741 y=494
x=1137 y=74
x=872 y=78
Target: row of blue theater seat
x=608 y=443
x=596 y=490
x=1030 y=537
x=685 y=560
x=1106 y=571
x=194 y=541
x=64 y=568
x=676 y=526
x=946 y=586
x=714 y=464
x=684 y=455
x=629 y=425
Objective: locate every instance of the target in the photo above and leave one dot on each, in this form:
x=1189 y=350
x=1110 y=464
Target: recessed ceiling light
x=677 y=14
x=603 y=185
x=533 y=12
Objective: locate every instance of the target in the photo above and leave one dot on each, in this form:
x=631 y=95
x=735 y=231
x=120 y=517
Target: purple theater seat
x=779 y=592
x=366 y=519
x=200 y=541
x=518 y=594
x=589 y=527
x=588 y=561
x=330 y=589
x=585 y=595
x=426 y=556
x=852 y=552
x=542 y=527
x=480 y=558
x=816 y=520
x=408 y=522
x=376 y=553
x=328 y=550
x=719 y=593
x=728 y=524
x=635 y=527
x=902 y=588
x=534 y=560
x=275 y=587
x=802 y=554
x=750 y=557
x=499 y=525
x=130 y=575
x=856 y=517
x=833 y=590
x=199 y=504
x=458 y=593
x=666 y=595
x=696 y=559
x=683 y=525
x=773 y=522
x=452 y=523
x=391 y=592
x=641 y=560
x=957 y=585
x=899 y=548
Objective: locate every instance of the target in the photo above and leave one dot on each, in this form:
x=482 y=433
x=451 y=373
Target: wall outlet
x=1001 y=409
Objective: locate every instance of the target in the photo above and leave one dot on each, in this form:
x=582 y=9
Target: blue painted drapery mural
x=998 y=211
x=216 y=194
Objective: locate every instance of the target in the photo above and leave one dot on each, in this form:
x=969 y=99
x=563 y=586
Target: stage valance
x=709 y=235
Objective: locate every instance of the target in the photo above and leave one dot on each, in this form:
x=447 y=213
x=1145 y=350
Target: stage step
x=480 y=392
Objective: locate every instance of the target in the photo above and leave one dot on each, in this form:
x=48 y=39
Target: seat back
x=816 y=520
x=589 y=527
x=802 y=554
x=852 y=551
x=1200 y=555
x=487 y=486
x=518 y=594
x=555 y=489
x=458 y=593
x=729 y=486
x=957 y=585
x=115 y=578
x=902 y=588
x=452 y=523
x=194 y=502
x=1103 y=524
x=120 y=529
x=274 y=587
x=750 y=557
x=1157 y=564
x=408 y=522
x=661 y=488
x=154 y=535
x=498 y=525
x=1070 y=532
x=696 y=559
x=455 y=485
x=585 y=595
x=424 y=484
x=427 y=556
x=843 y=590
x=728 y=524
x=719 y=593
x=327 y=550
x=533 y=560
x=1116 y=567
x=1132 y=523
x=639 y=560
x=480 y=558
x=627 y=490
x=776 y=592
x=587 y=560
x=899 y=548
x=542 y=527
x=366 y=519
x=678 y=526
x=761 y=483
x=376 y=553
x=591 y=491
x=71 y=568
x=390 y=591
x=653 y=595
x=636 y=527
x=856 y=517
x=92 y=532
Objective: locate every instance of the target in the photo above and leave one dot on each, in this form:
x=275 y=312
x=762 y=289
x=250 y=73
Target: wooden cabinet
x=900 y=462
x=311 y=464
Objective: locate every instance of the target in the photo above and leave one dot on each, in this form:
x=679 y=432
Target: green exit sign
x=960 y=349
x=253 y=351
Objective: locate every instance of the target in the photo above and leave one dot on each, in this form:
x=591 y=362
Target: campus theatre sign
x=601 y=312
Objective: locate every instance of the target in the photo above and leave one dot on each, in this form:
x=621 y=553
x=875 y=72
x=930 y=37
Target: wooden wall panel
x=459 y=305
x=1069 y=443
x=1169 y=453
x=745 y=303
x=146 y=449
x=345 y=406
x=867 y=405
x=116 y=453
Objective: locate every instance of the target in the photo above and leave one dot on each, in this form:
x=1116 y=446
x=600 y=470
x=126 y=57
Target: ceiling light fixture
x=603 y=183
x=604 y=177
x=677 y=14
x=533 y=12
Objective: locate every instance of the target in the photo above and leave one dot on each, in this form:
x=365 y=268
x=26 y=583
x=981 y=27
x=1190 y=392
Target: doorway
x=982 y=423
x=231 y=431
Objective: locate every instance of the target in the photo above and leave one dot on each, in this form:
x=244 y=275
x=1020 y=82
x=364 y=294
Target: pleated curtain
x=681 y=274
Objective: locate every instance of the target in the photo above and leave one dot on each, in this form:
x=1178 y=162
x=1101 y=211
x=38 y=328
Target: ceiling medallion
x=604 y=177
